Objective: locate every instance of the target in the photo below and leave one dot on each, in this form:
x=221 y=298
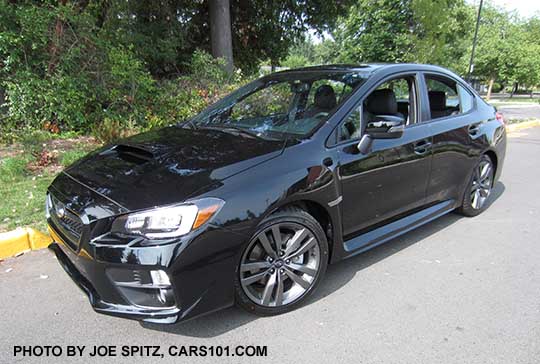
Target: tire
x=479 y=188
x=263 y=273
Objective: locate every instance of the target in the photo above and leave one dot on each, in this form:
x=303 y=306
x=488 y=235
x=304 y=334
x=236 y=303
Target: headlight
x=170 y=221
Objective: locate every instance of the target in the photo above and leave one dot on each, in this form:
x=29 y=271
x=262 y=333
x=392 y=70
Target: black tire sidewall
x=291 y=215
x=466 y=206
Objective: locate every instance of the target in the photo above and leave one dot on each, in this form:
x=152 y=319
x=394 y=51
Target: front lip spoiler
x=165 y=316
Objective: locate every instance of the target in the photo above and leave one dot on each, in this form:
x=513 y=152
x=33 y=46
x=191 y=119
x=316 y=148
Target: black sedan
x=249 y=201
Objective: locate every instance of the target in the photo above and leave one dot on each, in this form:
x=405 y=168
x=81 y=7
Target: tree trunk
x=490 y=86
x=514 y=89
x=220 y=32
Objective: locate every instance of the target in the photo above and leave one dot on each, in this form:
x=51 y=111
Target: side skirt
x=381 y=235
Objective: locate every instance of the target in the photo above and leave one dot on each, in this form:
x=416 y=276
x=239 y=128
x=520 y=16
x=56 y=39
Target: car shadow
x=337 y=276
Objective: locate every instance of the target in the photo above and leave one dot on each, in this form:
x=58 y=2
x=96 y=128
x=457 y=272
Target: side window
x=466 y=100
x=395 y=97
x=446 y=97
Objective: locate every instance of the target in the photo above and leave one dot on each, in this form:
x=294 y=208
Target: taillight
x=499 y=116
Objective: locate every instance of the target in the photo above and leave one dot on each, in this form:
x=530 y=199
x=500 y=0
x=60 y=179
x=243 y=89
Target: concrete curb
x=21 y=240
x=524 y=125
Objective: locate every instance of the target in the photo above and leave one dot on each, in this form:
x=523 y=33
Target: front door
x=392 y=179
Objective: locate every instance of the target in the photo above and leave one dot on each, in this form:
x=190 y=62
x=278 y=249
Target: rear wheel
x=479 y=188
x=282 y=264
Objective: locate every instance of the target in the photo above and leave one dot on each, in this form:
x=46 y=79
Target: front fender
x=297 y=176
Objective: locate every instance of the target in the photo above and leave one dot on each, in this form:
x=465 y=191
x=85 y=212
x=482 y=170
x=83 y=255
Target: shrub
x=204 y=67
x=110 y=130
x=65 y=83
x=295 y=61
x=89 y=79
x=181 y=98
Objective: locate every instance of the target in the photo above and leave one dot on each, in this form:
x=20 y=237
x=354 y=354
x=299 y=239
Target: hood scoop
x=131 y=154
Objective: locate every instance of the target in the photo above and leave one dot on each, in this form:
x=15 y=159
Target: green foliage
x=302 y=53
x=61 y=72
x=431 y=31
x=508 y=48
x=22 y=202
x=32 y=141
x=183 y=97
x=71 y=156
x=295 y=61
x=422 y=31
x=12 y=168
x=66 y=68
x=442 y=32
x=117 y=67
x=111 y=130
x=204 y=67
x=265 y=30
x=376 y=31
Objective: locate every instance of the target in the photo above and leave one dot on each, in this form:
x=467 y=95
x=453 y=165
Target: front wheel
x=282 y=264
x=479 y=188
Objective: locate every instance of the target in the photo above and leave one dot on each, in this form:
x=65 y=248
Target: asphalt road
x=458 y=290
x=520 y=111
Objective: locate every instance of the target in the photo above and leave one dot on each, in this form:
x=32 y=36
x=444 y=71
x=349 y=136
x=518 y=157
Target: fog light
x=160 y=278
x=162 y=297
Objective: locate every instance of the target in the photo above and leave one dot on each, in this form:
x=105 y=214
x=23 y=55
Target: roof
x=370 y=67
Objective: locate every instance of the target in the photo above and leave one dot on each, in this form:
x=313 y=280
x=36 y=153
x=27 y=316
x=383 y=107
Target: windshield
x=288 y=103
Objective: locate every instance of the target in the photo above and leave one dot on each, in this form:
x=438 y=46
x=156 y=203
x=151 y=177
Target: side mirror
x=386 y=127
x=383 y=127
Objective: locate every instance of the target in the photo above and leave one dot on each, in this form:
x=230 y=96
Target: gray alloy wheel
x=479 y=188
x=280 y=264
x=481 y=184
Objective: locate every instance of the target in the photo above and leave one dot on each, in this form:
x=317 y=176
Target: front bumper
x=158 y=315
x=201 y=269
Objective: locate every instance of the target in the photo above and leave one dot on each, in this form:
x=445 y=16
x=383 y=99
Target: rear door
x=392 y=179
x=457 y=140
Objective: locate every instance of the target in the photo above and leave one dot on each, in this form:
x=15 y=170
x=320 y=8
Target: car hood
x=168 y=165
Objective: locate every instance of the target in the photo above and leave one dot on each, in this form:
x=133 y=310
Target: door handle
x=422 y=147
x=474 y=129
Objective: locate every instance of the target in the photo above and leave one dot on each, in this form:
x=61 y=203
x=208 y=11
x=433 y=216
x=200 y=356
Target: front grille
x=65 y=219
x=72 y=223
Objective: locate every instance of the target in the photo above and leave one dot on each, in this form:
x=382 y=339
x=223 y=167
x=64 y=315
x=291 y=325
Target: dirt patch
x=47 y=155
x=62 y=145
x=11 y=151
x=48 y=158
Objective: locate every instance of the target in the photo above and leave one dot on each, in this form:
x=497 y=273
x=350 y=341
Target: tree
x=376 y=31
x=265 y=30
x=521 y=60
x=220 y=29
x=508 y=49
x=422 y=31
x=166 y=33
x=442 y=32
x=490 y=60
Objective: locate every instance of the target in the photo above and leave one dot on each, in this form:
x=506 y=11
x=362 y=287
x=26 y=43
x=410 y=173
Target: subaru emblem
x=60 y=210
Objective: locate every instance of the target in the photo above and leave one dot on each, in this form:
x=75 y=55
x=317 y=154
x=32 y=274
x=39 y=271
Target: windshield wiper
x=188 y=122
x=223 y=127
